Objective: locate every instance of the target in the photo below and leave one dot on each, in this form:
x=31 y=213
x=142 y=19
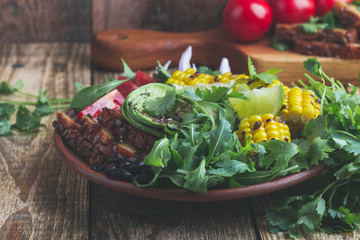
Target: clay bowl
x=83 y=168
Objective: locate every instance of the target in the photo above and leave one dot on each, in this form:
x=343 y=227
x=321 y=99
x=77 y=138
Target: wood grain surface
x=165 y=15
x=42 y=20
x=77 y=20
x=40 y=198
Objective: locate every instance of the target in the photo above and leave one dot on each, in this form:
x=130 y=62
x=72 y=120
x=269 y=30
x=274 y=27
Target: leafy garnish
x=130 y=74
x=162 y=73
x=88 y=95
x=25 y=121
x=329 y=21
x=162 y=105
x=334 y=139
x=207 y=70
x=281 y=44
x=267 y=77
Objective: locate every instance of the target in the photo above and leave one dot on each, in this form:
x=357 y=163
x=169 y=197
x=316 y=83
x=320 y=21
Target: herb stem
x=60 y=106
x=19 y=103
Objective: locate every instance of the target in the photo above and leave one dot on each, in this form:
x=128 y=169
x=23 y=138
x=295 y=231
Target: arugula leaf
x=162 y=105
x=219 y=137
x=88 y=95
x=196 y=180
x=127 y=71
x=162 y=73
x=267 y=77
x=159 y=154
x=25 y=121
x=79 y=86
x=252 y=69
x=229 y=168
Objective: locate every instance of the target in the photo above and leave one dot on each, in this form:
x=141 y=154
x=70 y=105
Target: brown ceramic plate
x=83 y=168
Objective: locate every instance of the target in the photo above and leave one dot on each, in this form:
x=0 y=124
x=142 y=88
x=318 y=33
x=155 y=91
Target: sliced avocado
x=136 y=114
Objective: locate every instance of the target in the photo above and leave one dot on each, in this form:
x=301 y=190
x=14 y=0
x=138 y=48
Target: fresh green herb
x=356 y=3
x=88 y=95
x=162 y=73
x=207 y=70
x=280 y=44
x=161 y=105
x=336 y=141
x=127 y=71
x=25 y=121
x=267 y=77
x=313 y=25
x=329 y=21
x=79 y=86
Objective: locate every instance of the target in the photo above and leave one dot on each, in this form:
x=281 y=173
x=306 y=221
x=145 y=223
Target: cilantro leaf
x=25 y=121
x=127 y=71
x=318 y=151
x=6 y=110
x=280 y=44
x=280 y=154
x=5 y=128
x=6 y=88
x=313 y=66
x=215 y=94
x=207 y=70
x=162 y=105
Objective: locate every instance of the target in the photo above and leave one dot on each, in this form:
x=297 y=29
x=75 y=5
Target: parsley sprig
x=335 y=207
x=25 y=120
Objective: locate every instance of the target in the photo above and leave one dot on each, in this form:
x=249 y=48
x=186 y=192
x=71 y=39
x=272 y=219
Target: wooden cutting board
x=142 y=48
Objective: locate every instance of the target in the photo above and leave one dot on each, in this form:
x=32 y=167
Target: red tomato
x=247 y=20
x=292 y=11
x=324 y=6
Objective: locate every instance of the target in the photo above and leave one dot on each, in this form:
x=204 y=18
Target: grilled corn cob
x=263 y=128
x=300 y=106
x=192 y=77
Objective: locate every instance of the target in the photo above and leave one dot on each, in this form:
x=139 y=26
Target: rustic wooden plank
x=44 y=20
x=40 y=198
x=262 y=204
x=117 y=215
x=178 y=16
x=120 y=216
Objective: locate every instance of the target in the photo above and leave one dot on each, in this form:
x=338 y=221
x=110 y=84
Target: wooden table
x=41 y=198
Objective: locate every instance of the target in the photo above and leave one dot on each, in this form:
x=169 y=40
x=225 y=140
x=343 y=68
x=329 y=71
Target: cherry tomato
x=292 y=11
x=324 y=6
x=247 y=20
